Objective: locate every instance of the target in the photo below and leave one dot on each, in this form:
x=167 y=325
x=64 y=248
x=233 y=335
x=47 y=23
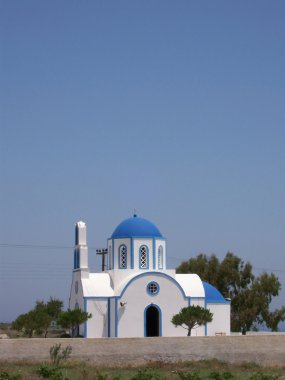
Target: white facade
x=137 y=295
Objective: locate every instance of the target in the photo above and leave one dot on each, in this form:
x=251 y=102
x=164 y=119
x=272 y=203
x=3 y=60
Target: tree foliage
x=191 y=317
x=250 y=295
x=72 y=319
x=38 y=320
x=33 y=322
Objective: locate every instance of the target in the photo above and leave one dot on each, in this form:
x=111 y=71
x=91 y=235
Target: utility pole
x=102 y=252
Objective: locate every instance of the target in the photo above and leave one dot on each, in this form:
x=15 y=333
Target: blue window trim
x=132 y=253
x=160 y=257
x=153 y=253
x=147 y=257
x=147 y=289
x=160 y=317
x=119 y=257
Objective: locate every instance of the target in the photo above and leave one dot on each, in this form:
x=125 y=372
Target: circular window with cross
x=152 y=288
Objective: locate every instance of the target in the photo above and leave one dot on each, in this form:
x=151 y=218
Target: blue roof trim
x=212 y=294
x=136 y=226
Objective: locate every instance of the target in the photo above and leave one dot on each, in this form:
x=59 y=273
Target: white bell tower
x=80 y=249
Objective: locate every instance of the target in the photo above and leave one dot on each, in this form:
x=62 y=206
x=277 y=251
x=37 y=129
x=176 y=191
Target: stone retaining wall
x=262 y=350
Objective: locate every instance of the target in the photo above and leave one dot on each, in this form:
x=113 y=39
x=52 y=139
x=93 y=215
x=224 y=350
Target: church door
x=152 y=319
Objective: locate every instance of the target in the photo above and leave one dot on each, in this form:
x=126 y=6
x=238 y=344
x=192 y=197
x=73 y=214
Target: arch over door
x=152 y=321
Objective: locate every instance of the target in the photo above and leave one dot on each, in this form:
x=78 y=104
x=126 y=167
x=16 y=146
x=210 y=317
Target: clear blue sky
x=176 y=108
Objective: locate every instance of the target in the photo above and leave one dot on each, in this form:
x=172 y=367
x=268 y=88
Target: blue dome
x=136 y=227
x=212 y=294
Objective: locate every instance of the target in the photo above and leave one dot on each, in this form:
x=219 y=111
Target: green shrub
x=6 y=376
x=189 y=375
x=58 y=355
x=100 y=376
x=220 y=376
x=262 y=376
x=146 y=374
x=53 y=373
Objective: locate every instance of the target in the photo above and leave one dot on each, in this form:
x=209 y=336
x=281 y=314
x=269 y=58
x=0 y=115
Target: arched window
x=123 y=257
x=143 y=257
x=76 y=259
x=160 y=257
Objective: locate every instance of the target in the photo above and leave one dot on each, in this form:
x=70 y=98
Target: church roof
x=136 y=227
x=212 y=294
x=97 y=285
x=191 y=284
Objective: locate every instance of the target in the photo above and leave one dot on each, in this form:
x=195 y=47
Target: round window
x=152 y=288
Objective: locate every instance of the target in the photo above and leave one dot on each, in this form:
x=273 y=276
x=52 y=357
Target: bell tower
x=80 y=249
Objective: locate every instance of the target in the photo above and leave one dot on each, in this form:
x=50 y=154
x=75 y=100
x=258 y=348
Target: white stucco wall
x=76 y=297
x=97 y=326
x=83 y=251
x=131 y=318
x=109 y=257
x=221 y=323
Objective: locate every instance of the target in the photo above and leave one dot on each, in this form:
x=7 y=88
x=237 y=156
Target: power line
x=256 y=268
x=8 y=245
x=41 y=246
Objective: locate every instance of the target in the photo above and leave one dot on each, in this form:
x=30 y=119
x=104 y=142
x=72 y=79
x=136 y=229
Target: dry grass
x=87 y=371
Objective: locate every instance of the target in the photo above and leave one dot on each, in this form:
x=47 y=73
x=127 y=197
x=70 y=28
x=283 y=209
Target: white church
x=137 y=296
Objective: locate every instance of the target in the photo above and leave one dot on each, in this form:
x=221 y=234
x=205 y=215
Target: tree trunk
x=189 y=332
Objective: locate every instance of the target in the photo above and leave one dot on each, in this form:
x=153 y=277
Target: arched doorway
x=152 y=321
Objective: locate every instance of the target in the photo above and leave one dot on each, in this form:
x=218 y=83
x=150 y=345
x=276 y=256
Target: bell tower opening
x=152 y=321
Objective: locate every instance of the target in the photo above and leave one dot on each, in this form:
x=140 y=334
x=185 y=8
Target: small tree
x=51 y=310
x=72 y=319
x=191 y=317
x=54 y=307
x=35 y=321
x=38 y=320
